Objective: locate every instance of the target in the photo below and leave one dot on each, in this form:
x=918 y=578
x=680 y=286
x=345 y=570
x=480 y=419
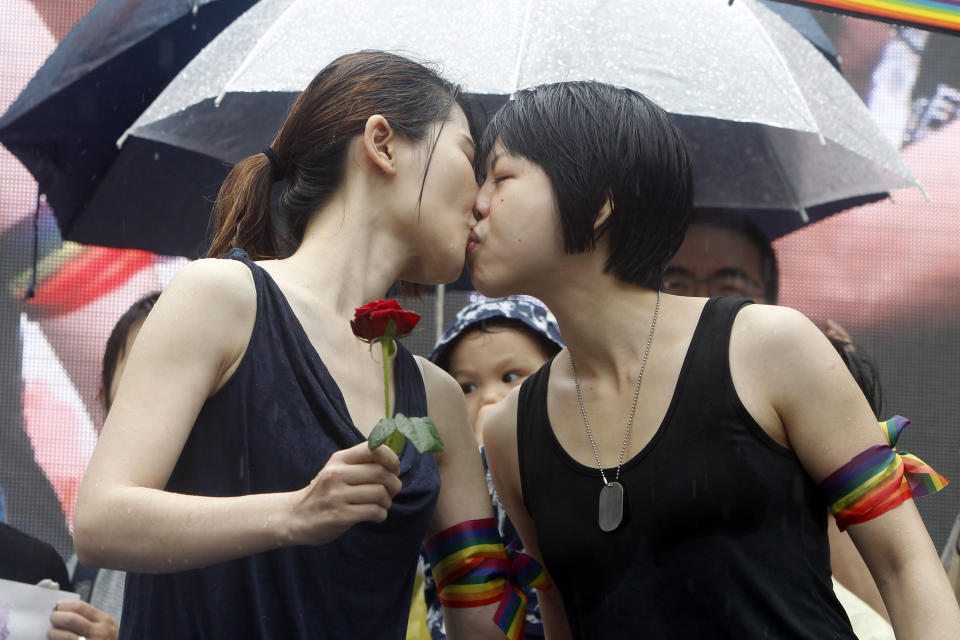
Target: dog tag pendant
x=611 y=506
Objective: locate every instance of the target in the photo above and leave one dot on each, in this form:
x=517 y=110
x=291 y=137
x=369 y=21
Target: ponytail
x=241 y=214
x=310 y=151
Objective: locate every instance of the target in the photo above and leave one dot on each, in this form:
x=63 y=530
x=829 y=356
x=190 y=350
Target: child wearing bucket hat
x=491 y=346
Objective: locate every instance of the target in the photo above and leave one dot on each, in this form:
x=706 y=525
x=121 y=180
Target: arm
x=463 y=488
x=807 y=398
x=188 y=347
x=850 y=570
x=500 y=442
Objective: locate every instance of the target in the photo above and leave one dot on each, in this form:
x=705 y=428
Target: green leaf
x=421 y=432
x=382 y=432
x=396 y=441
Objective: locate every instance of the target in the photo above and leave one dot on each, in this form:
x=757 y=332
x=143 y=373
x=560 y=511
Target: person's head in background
x=492 y=346
x=118 y=347
x=725 y=254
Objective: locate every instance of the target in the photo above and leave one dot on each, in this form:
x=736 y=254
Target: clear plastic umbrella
x=772 y=124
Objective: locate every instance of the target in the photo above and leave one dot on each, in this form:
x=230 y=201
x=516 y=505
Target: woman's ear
x=379 y=141
x=600 y=223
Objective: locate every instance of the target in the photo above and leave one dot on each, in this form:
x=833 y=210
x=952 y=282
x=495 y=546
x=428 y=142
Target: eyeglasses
x=728 y=282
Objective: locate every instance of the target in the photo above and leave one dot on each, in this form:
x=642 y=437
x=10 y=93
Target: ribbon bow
x=473 y=569
x=920 y=476
x=522 y=571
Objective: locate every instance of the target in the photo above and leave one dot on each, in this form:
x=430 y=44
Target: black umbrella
x=117 y=59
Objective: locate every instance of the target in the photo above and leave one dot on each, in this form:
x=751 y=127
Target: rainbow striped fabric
x=472 y=569
x=937 y=14
x=879 y=479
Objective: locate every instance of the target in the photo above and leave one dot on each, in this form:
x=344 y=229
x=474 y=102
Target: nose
x=491 y=394
x=481 y=205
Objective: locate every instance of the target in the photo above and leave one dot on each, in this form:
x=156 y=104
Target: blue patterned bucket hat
x=530 y=311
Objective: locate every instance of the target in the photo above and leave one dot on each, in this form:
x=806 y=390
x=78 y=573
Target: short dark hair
x=597 y=142
x=548 y=347
x=118 y=339
x=738 y=221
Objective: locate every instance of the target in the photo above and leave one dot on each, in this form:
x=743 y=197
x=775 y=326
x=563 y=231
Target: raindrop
x=156 y=156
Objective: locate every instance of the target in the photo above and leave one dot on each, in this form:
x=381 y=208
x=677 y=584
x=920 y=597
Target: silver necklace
x=611 y=494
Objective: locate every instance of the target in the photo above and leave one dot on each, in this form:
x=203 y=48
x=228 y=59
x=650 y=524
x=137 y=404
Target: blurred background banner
x=886 y=271
x=931 y=14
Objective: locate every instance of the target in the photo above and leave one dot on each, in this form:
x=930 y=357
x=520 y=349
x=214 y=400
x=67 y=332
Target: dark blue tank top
x=271 y=428
x=724 y=534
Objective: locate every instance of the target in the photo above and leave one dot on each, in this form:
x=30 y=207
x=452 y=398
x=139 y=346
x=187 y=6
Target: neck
x=605 y=322
x=348 y=255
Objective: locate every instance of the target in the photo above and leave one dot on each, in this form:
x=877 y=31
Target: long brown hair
x=312 y=145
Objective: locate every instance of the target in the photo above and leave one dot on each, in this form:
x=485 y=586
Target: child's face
x=487 y=364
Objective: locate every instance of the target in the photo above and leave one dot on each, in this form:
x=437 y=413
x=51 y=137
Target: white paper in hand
x=25 y=609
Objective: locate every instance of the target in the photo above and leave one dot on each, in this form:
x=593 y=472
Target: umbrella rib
x=247 y=61
x=524 y=35
x=785 y=179
x=786 y=70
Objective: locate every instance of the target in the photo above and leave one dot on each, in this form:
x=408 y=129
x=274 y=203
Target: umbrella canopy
x=64 y=125
x=772 y=124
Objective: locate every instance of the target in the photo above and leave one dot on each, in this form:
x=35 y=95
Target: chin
x=490 y=287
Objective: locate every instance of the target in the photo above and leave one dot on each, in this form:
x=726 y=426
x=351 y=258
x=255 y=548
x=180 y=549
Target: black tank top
x=270 y=428
x=725 y=534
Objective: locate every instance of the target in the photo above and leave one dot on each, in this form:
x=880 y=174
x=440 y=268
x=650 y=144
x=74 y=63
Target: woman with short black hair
x=673 y=465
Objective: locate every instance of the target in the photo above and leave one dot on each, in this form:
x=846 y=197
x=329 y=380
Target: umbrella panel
x=64 y=125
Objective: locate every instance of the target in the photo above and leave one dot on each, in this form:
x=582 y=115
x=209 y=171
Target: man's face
x=716 y=261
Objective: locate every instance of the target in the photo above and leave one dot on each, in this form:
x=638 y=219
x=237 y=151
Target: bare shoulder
x=500 y=427
x=208 y=311
x=762 y=330
x=442 y=390
x=213 y=284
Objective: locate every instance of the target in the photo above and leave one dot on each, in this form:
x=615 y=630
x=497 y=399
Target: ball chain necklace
x=611 y=494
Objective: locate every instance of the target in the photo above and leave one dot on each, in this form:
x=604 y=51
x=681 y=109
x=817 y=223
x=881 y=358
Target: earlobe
x=378 y=143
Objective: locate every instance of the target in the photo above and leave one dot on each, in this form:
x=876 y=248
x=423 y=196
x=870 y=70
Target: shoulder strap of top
x=260 y=280
x=531 y=425
x=710 y=347
x=412 y=394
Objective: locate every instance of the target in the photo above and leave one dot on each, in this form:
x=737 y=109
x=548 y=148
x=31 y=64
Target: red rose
x=371 y=320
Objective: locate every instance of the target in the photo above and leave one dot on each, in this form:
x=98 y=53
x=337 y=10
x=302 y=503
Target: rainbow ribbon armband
x=473 y=569
x=878 y=479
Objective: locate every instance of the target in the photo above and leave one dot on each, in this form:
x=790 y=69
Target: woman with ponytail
x=233 y=480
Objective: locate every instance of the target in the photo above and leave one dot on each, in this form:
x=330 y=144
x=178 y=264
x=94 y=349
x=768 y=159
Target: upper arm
x=794 y=376
x=463 y=489
x=186 y=348
x=826 y=419
x=463 y=492
x=500 y=445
